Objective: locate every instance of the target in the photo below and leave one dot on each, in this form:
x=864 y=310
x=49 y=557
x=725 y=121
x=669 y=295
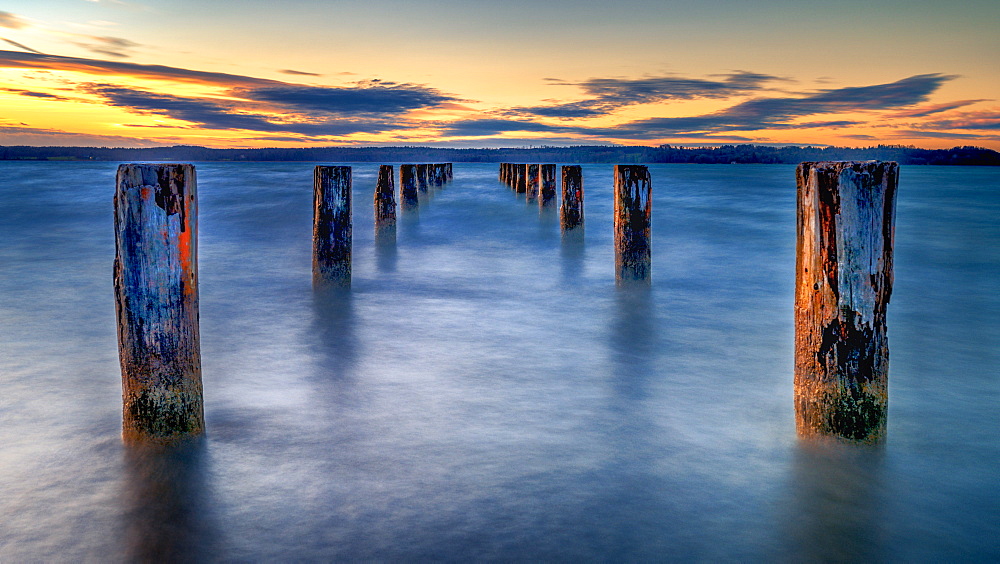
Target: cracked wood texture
x=332 y=228
x=843 y=281
x=408 y=196
x=633 y=211
x=156 y=298
x=531 y=182
x=520 y=178
x=571 y=210
x=385 y=198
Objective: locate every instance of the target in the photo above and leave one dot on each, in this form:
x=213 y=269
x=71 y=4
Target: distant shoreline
x=588 y=154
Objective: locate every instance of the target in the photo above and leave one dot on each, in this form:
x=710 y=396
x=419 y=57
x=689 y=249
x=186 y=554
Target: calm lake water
x=484 y=393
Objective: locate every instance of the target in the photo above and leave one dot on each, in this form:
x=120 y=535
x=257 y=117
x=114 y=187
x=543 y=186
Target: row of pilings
x=844 y=274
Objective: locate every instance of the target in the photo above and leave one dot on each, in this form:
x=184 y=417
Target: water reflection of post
x=334 y=330
x=169 y=516
x=633 y=337
x=835 y=512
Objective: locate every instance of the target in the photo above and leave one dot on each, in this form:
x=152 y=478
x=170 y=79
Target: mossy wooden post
x=385 y=198
x=408 y=186
x=843 y=281
x=156 y=298
x=571 y=210
x=546 y=184
x=332 y=229
x=633 y=210
x=531 y=182
x=422 y=177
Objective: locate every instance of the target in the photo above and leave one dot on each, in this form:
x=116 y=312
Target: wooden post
x=332 y=229
x=156 y=298
x=843 y=281
x=408 y=186
x=546 y=184
x=531 y=181
x=633 y=210
x=385 y=198
x=520 y=178
x=422 y=177
x=571 y=210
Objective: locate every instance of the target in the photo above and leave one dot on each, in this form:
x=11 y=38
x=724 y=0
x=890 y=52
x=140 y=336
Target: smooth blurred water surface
x=484 y=392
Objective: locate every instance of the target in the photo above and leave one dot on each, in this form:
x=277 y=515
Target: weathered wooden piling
x=422 y=181
x=531 y=182
x=843 y=281
x=571 y=210
x=520 y=178
x=408 y=186
x=156 y=298
x=546 y=184
x=449 y=172
x=633 y=211
x=385 y=198
x=332 y=228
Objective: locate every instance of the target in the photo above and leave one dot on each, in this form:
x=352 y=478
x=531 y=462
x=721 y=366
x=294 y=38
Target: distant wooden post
x=531 y=181
x=408 y=186
x=332 y=229
x=546 y=184
x=385 y=198
x=156 y=298
x=501 y=171
x=633 y=211
x=843 y=281
x=422 y=177
x=449 y=172
x=571 y=210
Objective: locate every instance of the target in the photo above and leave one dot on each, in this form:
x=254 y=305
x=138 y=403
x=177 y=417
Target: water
x=484 y=392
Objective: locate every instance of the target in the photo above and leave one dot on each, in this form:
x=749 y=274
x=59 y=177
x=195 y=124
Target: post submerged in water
x=531 y=182
x=422 y=181
x=843 y=280
x=408 y=196
x=633 y=211
x=332 y=228
x=571 y=210
x=385 y=198
x=520 y=178
x=156 y=298
x=546 y=184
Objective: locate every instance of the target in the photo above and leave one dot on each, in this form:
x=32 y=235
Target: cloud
x=104 y=45
x=20 y=46
x=984 y=120
x=367 y=97
x=32 y=94
x=298 y=73
x=609 y=94
x=11 y=21
x=229 y=115
x=925 y=111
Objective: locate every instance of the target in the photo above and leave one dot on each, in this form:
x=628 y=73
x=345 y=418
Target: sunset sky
x=477 y=73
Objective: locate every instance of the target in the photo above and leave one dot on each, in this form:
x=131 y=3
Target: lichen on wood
x=571 y=210
x=633 y=211
x=332 y=226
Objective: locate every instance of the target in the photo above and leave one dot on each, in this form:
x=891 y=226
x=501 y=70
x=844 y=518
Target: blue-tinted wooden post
x=520 y=178
x=531 y=182
x=633 y=211
x=422 y=181
x=156 y=298
x=546 y=184
x=332 y=228
x=408 y=196
x=843 y=281
x=385 y=199
x=571 y=210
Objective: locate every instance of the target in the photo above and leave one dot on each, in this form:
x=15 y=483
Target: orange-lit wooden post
x=571 y=210
x=633 y=211
x=520 y=178
x=385 y=199
x=156 y=298
x=332 y=227
x=843 y=281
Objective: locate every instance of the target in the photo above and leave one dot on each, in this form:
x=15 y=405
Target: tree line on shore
x=612 y=154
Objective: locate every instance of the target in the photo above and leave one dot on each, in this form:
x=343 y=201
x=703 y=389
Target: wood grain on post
x=843 y=281
x=332 y=228
x=156 y=298
x=385 y=198
x=571 y=210
x=633 y=211
x=408 y=197
x=520 y=178
x=449 y=172
x=546 y=184
x=422 y=177
x=531 y=181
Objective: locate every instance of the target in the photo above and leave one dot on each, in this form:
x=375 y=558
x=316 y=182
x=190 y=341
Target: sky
x=500 y=73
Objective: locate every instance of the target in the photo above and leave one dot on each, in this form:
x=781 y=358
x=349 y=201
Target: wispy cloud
x=298 y=73
x=11 y=21
x=20 y=45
